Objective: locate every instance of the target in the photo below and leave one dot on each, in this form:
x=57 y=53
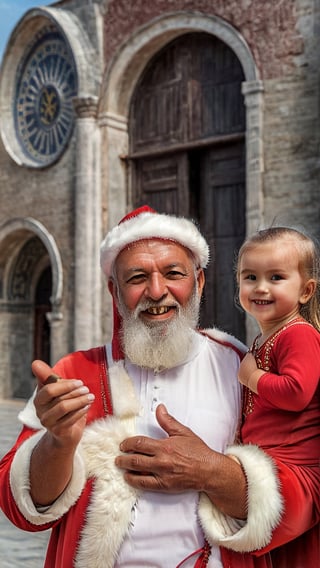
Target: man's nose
x=156 y=287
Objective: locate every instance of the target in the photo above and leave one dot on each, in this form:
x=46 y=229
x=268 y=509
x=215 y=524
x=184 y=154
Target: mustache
x=146 y=304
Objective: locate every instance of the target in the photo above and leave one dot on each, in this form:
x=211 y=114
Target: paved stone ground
x=17 y=548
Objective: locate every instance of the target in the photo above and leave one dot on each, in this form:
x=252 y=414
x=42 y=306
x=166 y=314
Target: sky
x=10 y=13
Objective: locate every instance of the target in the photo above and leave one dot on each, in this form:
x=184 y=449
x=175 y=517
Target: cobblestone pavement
x=17 y=548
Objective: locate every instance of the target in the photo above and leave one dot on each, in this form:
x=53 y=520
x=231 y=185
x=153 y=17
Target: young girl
x=279 y=285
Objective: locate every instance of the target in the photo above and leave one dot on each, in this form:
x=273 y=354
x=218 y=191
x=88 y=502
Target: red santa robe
x=97 y=493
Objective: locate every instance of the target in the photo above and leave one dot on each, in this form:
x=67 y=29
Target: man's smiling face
x=157 y=274
x=157 y=290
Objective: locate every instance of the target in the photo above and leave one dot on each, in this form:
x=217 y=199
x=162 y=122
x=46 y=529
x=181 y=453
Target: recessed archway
x=27 y=252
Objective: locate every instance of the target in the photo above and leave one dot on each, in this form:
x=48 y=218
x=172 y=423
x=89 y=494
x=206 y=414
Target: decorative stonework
x=20 y=282
x=269 y=26
x=46 y=82
x=86 y=107
x=39 y=78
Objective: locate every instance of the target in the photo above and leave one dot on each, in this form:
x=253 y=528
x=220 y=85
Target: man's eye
x=173 y=274
x=136 y=279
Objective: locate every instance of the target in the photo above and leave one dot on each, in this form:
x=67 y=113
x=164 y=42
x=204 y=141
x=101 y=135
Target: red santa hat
x=146 y=223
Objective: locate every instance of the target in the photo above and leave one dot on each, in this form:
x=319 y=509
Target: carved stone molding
x=86 y=107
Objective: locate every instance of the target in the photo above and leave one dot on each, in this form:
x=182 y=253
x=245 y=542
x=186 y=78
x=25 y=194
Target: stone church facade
x=204 y=108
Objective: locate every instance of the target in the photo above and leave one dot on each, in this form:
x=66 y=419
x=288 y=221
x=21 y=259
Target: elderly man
x=132 y=460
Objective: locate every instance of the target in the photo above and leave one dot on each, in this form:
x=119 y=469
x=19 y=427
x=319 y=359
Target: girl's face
x=271 y=287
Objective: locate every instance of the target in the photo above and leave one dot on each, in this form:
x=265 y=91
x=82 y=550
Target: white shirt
x=202 y=393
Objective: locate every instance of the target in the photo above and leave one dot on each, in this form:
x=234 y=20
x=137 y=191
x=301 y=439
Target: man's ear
x=200 y=280
x=308 y=291
x=112 y=289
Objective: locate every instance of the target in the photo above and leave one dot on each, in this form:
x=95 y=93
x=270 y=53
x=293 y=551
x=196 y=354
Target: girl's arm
x=249 y=374
x=294 y=366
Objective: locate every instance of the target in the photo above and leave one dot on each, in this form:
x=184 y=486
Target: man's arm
x=61 y=407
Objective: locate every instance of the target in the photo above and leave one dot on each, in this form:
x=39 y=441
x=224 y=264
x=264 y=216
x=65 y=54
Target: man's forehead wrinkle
x=143 y=268
x=155 y=243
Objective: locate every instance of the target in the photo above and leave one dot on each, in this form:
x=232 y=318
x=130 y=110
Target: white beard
x=159 y=345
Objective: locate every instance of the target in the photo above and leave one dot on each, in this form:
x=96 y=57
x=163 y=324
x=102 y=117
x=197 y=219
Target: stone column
x=55 y=318
x=116 y=197
x=253 y=93
x=87 y=292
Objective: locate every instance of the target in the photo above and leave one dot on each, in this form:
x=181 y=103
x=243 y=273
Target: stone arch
x=119 y=83
x=129 y=62
x=26 y=250
x=22 y=227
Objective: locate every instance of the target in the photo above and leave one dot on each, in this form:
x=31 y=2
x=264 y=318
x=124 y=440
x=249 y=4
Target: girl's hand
x=249 y=373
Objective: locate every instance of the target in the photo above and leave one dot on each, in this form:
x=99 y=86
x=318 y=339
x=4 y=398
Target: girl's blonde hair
x=309 y=263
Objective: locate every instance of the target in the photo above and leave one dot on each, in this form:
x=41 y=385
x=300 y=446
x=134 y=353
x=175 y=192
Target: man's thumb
x=42 y=371
x=168 y=422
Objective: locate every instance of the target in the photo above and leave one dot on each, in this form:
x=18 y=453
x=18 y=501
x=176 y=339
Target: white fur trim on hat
x=153 y=225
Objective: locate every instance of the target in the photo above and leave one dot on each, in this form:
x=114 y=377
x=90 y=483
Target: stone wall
x=48 y=196
x=269 y=27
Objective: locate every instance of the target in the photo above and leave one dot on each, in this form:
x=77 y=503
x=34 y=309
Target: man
x=130 y=461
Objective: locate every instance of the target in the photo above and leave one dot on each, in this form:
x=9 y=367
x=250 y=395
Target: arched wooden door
x=187 y=155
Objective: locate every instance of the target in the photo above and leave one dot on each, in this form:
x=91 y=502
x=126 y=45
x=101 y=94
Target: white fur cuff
x=20 y=485
x=264 y=505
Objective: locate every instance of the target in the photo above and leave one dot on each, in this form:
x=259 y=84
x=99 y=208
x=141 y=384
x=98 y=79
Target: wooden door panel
x=222 y=217
x=189 y=91
x=214 y=88
x=222 y=190
x=158 y=118
x=163 y=183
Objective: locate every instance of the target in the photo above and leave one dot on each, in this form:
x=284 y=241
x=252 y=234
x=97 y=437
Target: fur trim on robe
x=113 y=499
x=264 y=505
x=20 y=485
x=109 y=512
